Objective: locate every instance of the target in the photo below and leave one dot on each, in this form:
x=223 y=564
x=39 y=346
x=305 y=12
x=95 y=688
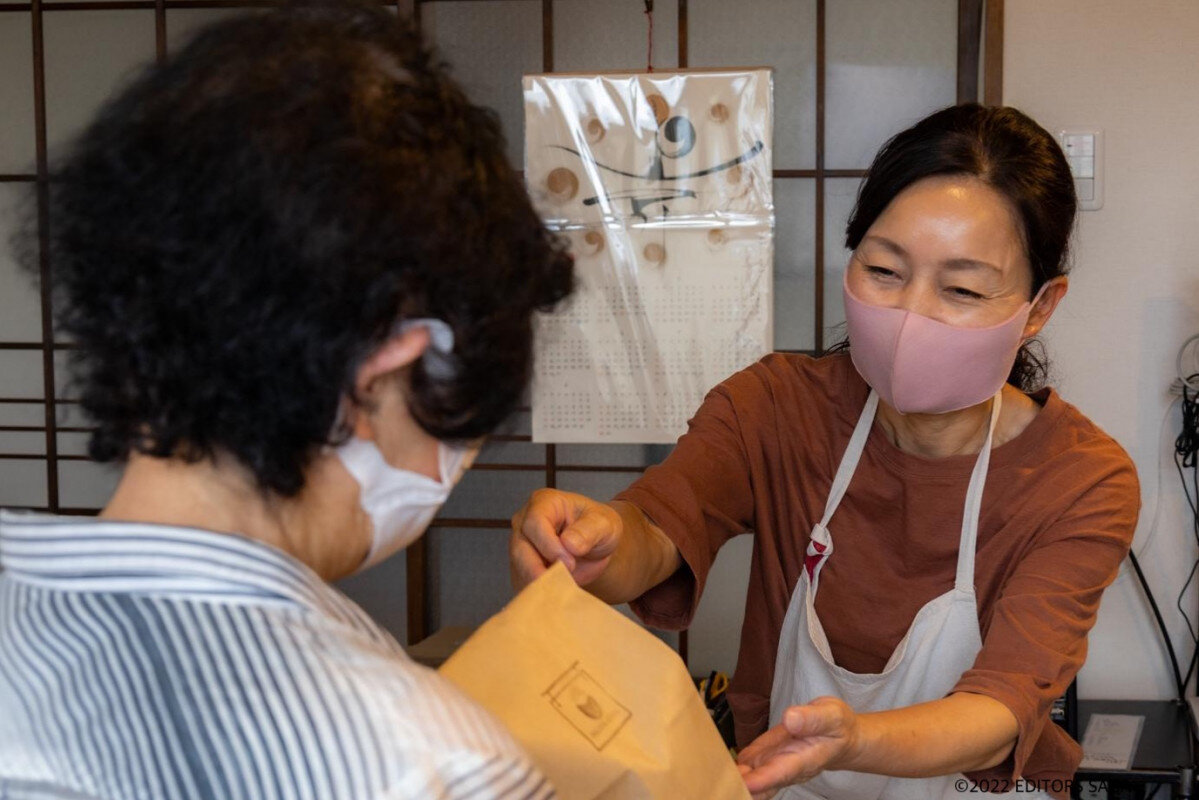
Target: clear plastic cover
x=662 y=184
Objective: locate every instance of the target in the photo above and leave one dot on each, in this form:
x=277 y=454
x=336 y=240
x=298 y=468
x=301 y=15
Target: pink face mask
x=921 y=366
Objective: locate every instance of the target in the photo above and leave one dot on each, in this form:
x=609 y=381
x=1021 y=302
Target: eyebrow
x=953 y=263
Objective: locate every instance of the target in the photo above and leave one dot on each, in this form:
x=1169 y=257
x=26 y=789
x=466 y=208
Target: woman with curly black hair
x=300 y=276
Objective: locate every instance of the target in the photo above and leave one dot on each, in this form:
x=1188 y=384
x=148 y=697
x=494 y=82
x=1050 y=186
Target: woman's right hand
x=567 y=527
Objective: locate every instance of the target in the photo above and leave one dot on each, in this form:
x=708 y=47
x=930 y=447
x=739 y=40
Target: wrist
x=863 y=732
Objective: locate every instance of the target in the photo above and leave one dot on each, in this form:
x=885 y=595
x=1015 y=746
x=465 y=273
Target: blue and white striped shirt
x=146 y=661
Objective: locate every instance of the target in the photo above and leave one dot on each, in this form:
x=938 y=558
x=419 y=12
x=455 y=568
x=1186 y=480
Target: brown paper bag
x=604 y=708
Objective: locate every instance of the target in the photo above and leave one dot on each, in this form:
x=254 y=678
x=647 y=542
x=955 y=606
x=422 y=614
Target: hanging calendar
x=661 y=182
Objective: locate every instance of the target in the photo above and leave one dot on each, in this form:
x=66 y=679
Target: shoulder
x=435 y=741
x=409 y=705
x=1082 y=475
x=1072 y=440
x=799 y=383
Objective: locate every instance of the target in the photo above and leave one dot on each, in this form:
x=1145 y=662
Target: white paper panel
x=184 y=23
x=18 y=146
x=89 y=54
x=383 y=592
x=70 y=415
x=494 y=452
x=774 y=33
x=716 y=630
x=601 y=486
x=86 y=484
x=20 y=302
x=472 y=575
x=794 y=264
x=889 y=64
x=489 y=46
x=21 y=413
x=64 y=388
x=492 y=494
x=73 y=444
x=840 y=194
x=21 y=374
x=612 y=455
x=23 y=483
x=591 y=36
x=23 y=443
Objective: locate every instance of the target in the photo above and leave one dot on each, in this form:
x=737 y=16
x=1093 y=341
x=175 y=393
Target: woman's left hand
x=811 y=739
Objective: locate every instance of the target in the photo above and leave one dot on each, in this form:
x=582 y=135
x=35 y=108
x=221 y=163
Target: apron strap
x=974 y=502
x=849 y=461
x=820 y=543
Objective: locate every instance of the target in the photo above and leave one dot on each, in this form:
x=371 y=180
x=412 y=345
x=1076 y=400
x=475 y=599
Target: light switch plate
x=1084 y=153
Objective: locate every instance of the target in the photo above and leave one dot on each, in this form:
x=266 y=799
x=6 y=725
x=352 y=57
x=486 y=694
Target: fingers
x=763 y=747
x=822 y=717
x=785 y=769
x=774 y=760
x=539 y=522
x=809 y=739
x=562 y=526
x=591 y=535
x=525 y=563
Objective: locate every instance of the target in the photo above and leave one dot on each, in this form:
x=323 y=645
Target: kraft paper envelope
x=605 y=709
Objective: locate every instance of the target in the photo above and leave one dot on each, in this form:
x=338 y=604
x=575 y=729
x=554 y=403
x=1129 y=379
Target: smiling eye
x=882 y=272
x=965 y=293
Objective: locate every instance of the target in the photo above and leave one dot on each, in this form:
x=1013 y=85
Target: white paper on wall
x=661 y=182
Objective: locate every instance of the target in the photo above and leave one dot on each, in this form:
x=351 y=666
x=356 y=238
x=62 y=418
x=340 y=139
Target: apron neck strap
x=974 y=502
x=849 y=461
x=964 y=577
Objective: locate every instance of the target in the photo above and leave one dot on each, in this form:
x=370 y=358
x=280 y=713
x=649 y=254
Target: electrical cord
x=1161 y=624
x=1142 y=547
x=1186 y=455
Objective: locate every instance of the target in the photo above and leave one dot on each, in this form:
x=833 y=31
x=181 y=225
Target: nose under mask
x=920 y=365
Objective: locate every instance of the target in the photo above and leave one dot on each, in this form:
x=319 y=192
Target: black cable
x=1186 y=456
x=1161 y=624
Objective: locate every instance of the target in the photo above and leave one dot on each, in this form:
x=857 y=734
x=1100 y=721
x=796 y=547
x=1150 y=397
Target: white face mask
x=400 y=503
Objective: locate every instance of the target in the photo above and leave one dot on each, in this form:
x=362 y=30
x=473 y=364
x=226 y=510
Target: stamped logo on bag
x=589 y=709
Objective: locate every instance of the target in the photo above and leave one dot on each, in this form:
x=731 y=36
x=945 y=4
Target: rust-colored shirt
x=1059 y=511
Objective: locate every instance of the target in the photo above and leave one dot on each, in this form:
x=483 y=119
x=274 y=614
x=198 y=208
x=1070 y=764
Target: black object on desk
x=1165 y=753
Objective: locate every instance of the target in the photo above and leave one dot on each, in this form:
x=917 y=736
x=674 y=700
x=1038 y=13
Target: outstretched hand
x=811 y=738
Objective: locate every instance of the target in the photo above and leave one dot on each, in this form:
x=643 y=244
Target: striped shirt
x=146 y=661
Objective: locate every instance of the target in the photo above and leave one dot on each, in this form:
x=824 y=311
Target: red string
x=649 y=47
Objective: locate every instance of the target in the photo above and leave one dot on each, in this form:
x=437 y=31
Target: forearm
x=960 y=733
x=644 y=558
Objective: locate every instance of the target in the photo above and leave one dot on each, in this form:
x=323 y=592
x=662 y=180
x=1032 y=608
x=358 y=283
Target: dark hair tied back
x=1010 y=153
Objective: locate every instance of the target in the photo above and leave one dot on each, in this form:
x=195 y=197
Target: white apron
x=941 y=644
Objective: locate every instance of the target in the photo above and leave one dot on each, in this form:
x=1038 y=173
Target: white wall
x=1128 y=68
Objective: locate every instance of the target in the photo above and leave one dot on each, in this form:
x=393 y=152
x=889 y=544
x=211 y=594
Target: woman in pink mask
x=933 y=527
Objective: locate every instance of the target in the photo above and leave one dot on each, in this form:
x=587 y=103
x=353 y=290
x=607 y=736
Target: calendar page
x=661 y=183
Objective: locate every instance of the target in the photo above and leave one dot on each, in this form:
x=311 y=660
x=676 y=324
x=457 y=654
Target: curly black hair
x=243 y=224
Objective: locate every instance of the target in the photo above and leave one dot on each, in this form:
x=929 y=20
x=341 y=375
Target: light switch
x=1084 y=153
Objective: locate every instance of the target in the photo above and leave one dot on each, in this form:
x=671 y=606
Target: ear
x=1046 y=302
x=394 y=354
x=399 y=351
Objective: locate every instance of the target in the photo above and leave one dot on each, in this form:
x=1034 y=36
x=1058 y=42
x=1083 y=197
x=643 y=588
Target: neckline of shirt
x=90 y=554
x=1011 y=453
